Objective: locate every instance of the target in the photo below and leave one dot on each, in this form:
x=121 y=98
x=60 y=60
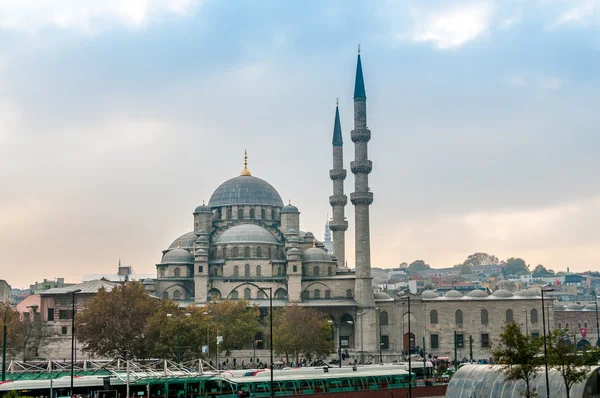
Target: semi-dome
x=246 y=233
x=502 y=293
x=381 y=296
x=177 y=256
x=293 y=250
x=453 y=294
x=429 y=294
x=245 y=190
x=315 y=254
x=506 y=285
x=186 y=241
x=477 y=293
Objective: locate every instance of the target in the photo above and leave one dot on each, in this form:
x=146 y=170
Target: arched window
x=509 y=316
x=240 y=213
x=329 y=271
x=383 y=319
x=177 y=273
x=258 y=270
x=236 y=271
x=458 y=317
x=229 y=214
x=279 y=271
x=280 y=293
x=161 y=272
x=273 y=214
x=259 y=251
x=263 y=214
x=224 y=251
x=534 y=316
x=214 y=294
x=188 y=295
x=247 y=270
x=305 y=294
x=247 y=251
x=316 y=271
x=235 y=252
x=433 y=317
x=247 y=293
x=165 y=295
x=349 y=293
x=484 y=317
x=234 y=295
x=269 y=252
x=176 y=295
x=219 y=213
x=261 y=294
x=328 y=294
x=252 y=213
x=317 y=293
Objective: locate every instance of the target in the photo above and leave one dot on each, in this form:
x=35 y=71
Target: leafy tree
x=518 y=355
x=515 y=266
x=403 y=265
x=418 y=265
x=14 y=330
x=476 y=259
x=34 y=334
x=301 y=330
x=235 y=321
x=114 y=323
x=563 y=356
x=465 y=269
x=541 y=271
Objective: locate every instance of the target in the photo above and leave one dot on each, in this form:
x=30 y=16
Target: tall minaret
x=338 y=200
x=362 y=197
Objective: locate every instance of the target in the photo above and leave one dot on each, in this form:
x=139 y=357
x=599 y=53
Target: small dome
x=186 y=240
x=477 y=293
x=429 y=294
x=308 y=235
x=315 y=254
x=574 y=307
x=290 y=208
x=246 y=233
x=294 y=251
x=506 y=285
x=202 y=209
x=527 y=293
x=590 y=307
x=501 y=293
x=381 y=296
x=200 y=252
x=292 y=232
x=202 y=239
x=177 y=256
x=453 y=294
x=245 y=190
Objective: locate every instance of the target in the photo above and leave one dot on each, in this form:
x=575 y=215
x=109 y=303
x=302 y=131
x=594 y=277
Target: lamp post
x=4 y=343
x=270 y=289
x=178 y=335
x=73 y=335
x=407 y=298
x=546 y=289
x=597 y=327
x=362 y=351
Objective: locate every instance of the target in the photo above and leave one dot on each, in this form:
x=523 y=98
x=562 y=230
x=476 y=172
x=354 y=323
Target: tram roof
x=291 y=375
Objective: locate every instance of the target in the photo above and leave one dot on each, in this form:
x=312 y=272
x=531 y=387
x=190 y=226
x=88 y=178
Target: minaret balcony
x=362 y=135
x=337 y=174
x=338 y=200
x=361 y=166
x=361 y=198
x=338 y=225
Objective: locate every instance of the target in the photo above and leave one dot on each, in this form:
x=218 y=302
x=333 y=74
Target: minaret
x=327 y=237
x=362 y=197
x=338 y=200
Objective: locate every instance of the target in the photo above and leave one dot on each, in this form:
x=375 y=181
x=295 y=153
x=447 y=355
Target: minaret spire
x=338 y=200
x=245 y=172
x=359 y=82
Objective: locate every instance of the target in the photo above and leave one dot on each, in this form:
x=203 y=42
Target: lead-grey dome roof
x=429 y=294
x=289 y=208
x=477 y=293
x=506 y=285
x=381 y=296
x=187 y=241
x=246 y=233
x=502 y=293
x=245 y=190
x=315 y=254
x=453 y=294
x=177 y=256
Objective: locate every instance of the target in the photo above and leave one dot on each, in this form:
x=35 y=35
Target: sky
x=119 y=117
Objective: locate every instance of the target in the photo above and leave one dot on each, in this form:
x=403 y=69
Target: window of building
x=383 y=319
x=385 y=342
x=50 y=314
x=273 y=214
x=219 y=214
x=177 y=272
x=258 y=270
x=234 y=295
x=329 y=271
x=485 y=317
x=161 y=273
x=535 y=335
x=579 y=325
x=317 y=293
x=585 y=325
x=235 y=252
x=259 y=252
x=236 y=271
x=263 y=214
x=269 y=252
x=63 y=314
x=247 y=293
x=460 y=340
x=188 y=295
x=224 y=251
x=295 y=268
x=328 y=294
x=240 y=213
x=433 y=317
x=246 y=251
x=200 y=268
x=485 y=340
x=316 y=271
x=349 y=293
x=247 y=270
x=165 y=296
x=534 y=316
x=567 y=325
x=458 y=318
x=63 y=330
x=63 y=301
x=261 y=294
x=305 y=294
x=434 y=342
x=176 y=295
x=509 y=316
x=229 y=214
x=560 y=325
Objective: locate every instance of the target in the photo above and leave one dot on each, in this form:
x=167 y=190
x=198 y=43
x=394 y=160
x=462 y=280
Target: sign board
x=205 y=349
x=583 y=332
x=219 y=339
x=345 y=342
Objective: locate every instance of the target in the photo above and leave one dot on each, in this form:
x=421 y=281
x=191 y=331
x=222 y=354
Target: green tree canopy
x=515 y=266
x=541 y=271
x=418 y=265
x=563 y=356
x=235 y=321
x=465 y=269
x=14 y=331
x=477 y=259
x=518 y=355
x=114 y=323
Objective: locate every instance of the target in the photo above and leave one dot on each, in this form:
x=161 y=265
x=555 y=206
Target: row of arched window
x=279 y=271
x=241 y=214
x=234 y=295
x=458 y=317
x=237 y=252
x=317 y=271
x=176 y=272
x=177 y=295
x=327 y=294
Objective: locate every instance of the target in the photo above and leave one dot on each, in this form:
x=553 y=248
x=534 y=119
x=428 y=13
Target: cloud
x=86 y=15
x=451 y=27
x=549 y=83
x=515 y=80
x=578 y=12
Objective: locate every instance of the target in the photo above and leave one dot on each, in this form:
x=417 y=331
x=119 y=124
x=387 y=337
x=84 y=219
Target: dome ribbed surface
x=315 y=254
x=246 y=233
x=187 y=241
x=177 y=256
x=245 y=190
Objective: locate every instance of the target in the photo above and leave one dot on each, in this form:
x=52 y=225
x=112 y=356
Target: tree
x=34 y=334
x=518 y=355
x=465 y=269
x=236 y=322
x=563 y=356
x=301 y=330
x=541 y=271
x=114 y=323
x=515 y=266
x=418 y=266
x=14 y=330
x=477 y=259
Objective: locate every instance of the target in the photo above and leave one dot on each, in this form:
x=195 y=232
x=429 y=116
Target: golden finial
x=337 y=101
x=358 y=48
x=179 y=244
x=314 y=242
x=245 y=172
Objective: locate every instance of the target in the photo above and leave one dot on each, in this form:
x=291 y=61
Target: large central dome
x=245 y=190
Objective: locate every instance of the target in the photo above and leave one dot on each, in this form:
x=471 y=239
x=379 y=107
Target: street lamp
x=73 y=335
x=547 y=288
x=178 y=337
x=407 y=298
x=4 y=344
x=362 y=350
x=338 y=326
x=207 y=334
x=270 y=289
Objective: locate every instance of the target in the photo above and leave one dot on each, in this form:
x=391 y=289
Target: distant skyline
x=118 y=117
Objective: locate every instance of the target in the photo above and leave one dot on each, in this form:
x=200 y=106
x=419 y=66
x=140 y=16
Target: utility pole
x=471 y=348
x=455 y=357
